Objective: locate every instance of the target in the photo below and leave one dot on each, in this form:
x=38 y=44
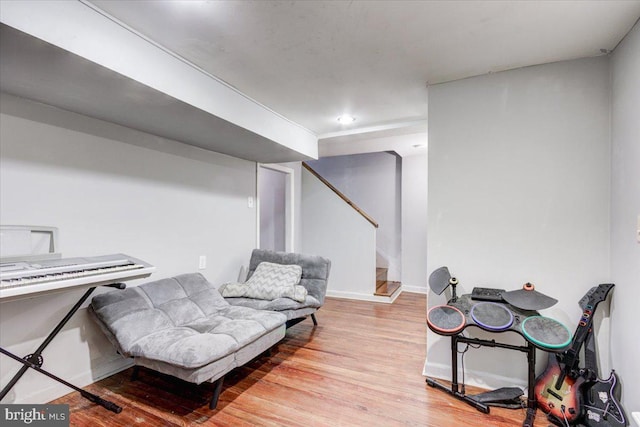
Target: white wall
x=107 y=191
x=332 y=229
x=372 y=181
x=414 y=223
x=519 y=168
x=625 y=209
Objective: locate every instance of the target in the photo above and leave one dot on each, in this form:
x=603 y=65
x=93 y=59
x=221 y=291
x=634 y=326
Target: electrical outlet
x=249 y=202
x=202 y=262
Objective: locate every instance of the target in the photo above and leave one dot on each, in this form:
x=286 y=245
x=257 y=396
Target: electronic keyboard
x=27 y=278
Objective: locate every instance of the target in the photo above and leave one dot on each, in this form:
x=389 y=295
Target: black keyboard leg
x=36 y=357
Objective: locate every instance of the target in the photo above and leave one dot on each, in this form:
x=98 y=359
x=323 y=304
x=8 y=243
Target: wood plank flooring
x=361 y=366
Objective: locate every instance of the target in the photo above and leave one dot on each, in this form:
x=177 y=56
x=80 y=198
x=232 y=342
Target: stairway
x=384 y=287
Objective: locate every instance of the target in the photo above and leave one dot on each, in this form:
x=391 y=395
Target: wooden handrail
x=340 y=194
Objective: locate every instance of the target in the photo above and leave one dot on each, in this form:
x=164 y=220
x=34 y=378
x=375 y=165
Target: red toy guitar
x=558 y=390
x=561 y=402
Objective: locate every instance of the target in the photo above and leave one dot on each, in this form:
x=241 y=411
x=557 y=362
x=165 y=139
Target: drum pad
x=445 y=320
x=491 y=316
x=547 y=333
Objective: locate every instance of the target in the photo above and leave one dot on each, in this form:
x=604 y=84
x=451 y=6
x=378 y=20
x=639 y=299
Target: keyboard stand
x=35 y=360
x=454 y=390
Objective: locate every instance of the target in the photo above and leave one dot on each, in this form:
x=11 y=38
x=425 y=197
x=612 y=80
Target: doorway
x=275 y=208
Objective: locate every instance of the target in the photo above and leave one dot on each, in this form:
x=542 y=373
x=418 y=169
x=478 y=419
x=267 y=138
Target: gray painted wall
x=519 y=170
x=625 y=212
x=373 y=182
x=334 y=230
x=110 y=189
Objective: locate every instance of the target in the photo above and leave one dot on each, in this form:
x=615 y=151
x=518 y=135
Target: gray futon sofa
x=312 y=280
x=183 y=327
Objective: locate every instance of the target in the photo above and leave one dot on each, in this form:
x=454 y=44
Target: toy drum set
x=543 y=332
x=495 y=310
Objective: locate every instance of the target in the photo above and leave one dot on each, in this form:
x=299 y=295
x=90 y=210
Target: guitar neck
x=595 y=296
x=590 y=357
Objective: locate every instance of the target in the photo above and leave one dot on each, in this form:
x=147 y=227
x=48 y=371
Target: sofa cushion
x=278 y=304
x=295 y=292
x=244 y=290
x=183 y=321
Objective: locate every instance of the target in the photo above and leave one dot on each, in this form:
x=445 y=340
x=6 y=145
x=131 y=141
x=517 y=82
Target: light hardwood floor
x=361 y=366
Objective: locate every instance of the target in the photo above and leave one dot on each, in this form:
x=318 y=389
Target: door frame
x=289 y=233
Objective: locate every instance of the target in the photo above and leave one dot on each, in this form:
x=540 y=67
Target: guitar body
x=601 y=403
x=563 y=403
x=559 y=390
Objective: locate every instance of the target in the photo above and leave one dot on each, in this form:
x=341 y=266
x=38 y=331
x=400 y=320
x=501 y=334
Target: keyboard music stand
x=23 y=244
x=35 y=360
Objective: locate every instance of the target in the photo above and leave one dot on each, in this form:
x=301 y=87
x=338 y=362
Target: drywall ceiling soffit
x=313 y=60
x=34 y=69
x=405 y=139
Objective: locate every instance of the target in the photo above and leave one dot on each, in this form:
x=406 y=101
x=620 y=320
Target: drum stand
x=454 y=391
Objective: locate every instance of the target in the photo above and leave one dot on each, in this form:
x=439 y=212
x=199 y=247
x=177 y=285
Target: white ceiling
x=310 y=61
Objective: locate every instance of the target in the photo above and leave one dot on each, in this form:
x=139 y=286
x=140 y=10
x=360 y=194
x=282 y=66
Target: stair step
x=386 y=288
x=381 y=274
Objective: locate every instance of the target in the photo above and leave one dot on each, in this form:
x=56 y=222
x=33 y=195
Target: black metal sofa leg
x=292 y=322
x=216 y=392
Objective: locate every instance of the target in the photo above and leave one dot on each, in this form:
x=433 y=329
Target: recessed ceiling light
x=346 y=119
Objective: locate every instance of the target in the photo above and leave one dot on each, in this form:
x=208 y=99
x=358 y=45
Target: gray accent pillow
x=315 y=269
x=269 y=282
x=269 y=274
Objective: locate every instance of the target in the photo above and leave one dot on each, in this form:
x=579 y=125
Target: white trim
x=636 y=418
x=277 y=167
x=475 y=378
x=289 y=203
x=257 y=205
x=415 y=289
x=52 y=390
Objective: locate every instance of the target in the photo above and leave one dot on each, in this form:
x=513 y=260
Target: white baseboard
x=55 y=390
x=415 y=289
x=474 y=378
x=636 y=418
